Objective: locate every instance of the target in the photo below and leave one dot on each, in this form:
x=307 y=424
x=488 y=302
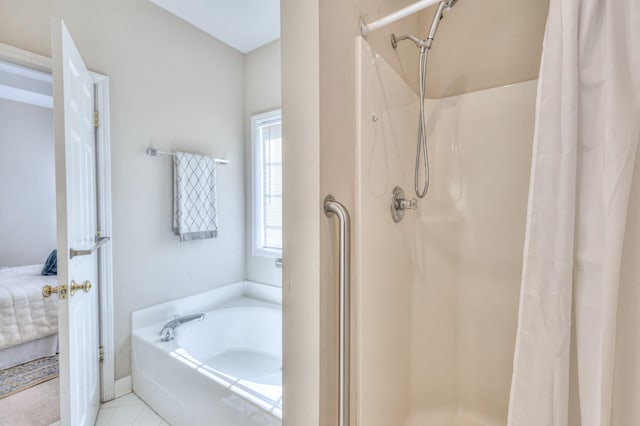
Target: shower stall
x=436 y=295
x=436 y=291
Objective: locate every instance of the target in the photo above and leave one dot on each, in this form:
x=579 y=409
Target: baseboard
x=123 y=386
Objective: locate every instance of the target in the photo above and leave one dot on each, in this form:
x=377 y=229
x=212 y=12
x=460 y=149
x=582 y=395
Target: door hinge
x=96 y=119
x=101 y=353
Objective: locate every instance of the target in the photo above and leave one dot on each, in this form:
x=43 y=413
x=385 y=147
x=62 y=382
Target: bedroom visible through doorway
x=28 y=336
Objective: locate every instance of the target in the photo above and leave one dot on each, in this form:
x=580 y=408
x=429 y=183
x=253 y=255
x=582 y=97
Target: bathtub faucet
x=168 y=331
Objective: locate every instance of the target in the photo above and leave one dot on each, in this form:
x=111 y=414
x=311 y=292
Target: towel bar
x=152 y=152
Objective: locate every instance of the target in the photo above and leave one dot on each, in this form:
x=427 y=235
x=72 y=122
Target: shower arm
x=421 y=44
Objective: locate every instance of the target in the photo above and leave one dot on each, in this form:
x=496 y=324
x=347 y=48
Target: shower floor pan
x=452 y=417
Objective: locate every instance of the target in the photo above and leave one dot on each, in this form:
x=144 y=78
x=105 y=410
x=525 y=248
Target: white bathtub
x=226 y=370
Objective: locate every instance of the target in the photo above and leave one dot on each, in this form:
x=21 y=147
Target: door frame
x=103 y=178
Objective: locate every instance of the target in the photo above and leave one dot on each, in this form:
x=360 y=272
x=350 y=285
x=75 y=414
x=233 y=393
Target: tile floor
x=128 y=410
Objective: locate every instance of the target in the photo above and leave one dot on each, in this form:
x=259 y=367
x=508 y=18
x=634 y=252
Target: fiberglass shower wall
x=436 y=295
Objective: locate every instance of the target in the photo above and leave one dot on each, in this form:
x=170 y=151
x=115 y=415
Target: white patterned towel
x=194 y=197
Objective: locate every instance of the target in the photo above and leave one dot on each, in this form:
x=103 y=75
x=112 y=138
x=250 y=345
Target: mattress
x=25 y=352
x=25 y=315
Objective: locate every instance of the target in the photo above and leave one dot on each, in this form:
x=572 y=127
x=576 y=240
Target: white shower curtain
x=577 y=359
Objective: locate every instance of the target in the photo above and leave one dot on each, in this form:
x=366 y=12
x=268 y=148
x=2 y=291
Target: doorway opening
x=29 y=343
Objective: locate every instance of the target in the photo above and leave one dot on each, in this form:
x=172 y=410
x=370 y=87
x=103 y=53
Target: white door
x=77 y=226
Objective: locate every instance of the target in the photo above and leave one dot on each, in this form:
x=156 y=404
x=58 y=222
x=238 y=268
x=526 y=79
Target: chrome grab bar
x=99 y=243
x=331 y=206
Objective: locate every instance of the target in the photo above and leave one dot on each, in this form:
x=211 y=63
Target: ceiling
x=479 y=45
x=242 y=24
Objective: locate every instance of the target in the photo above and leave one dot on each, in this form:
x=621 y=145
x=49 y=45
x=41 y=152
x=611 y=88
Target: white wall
x=176 y=87
x=262 y=93
x=302 y=347
x=486 y=168
x=27 y=184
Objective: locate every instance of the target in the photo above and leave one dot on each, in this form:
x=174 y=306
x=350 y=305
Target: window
x=266 y=136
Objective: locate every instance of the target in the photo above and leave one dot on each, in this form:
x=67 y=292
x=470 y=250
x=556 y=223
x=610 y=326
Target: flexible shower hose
x=421 y=150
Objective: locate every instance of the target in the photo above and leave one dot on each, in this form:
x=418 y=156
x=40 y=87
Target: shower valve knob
x=410 y=204
x=399 y=204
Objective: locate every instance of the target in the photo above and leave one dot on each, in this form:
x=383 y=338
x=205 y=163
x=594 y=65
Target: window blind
x=271 y=143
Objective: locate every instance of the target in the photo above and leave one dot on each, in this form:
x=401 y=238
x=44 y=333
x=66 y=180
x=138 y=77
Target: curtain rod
x=152 y=152
x=395 y=16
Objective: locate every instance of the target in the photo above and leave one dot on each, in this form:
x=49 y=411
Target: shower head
x=445 y=5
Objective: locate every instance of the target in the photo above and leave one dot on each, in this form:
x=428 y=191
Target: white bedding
x=25 y=314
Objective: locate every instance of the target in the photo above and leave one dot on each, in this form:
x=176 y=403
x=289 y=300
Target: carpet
x=36 y=406
x=24 y=376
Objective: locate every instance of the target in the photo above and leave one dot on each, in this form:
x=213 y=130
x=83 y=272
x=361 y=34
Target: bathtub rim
x=150 y=335
x=206 y=301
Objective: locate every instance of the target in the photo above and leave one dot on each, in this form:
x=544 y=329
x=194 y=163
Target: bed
x=28 y=321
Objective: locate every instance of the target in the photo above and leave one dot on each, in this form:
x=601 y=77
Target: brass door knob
x=60 y=290
x=85 y=286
